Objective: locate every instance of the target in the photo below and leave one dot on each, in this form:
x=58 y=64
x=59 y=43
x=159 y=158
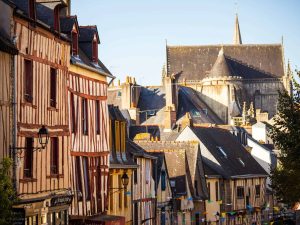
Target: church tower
x=237 y=39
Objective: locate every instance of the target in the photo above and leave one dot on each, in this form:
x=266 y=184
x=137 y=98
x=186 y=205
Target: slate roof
x=87 y=33
x=7 y=46
x=221 y=67
x=238 y=162
x=182 y=158
x=195 y=62
x=137 y=151
x=67 y=23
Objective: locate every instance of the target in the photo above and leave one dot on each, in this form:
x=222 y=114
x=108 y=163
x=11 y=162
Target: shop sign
x=61 y=200
x=18 y=216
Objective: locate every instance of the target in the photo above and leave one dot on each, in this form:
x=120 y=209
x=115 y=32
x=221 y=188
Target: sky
x=134 y=33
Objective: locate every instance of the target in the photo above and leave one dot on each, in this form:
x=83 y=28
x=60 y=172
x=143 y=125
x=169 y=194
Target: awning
x=97 y=220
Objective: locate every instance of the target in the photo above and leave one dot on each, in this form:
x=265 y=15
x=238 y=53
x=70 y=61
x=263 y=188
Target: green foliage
x=286 y=136
x=7 y=192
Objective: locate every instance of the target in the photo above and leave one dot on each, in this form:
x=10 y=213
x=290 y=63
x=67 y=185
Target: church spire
x=237 y=39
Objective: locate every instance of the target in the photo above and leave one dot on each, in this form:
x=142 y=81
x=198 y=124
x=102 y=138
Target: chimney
x=187 y=121
x=170 y=118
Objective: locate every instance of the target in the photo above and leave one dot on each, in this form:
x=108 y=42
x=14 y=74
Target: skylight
x=241 y=161
x=222 y=151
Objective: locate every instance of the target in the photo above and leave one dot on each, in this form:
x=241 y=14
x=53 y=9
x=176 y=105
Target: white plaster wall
x=259 y=133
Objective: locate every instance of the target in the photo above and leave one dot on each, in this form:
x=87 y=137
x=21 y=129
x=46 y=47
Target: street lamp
x=125 y=180
x=43 y=136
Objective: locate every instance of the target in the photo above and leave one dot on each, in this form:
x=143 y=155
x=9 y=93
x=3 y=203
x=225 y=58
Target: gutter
x=92 y=69
x=14 y=117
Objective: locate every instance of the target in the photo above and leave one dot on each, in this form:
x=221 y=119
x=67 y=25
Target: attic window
x=74 y=43
x=31 y=9
x=95 y=50
x=56 y=18
x=241 y=161
x=222 y=151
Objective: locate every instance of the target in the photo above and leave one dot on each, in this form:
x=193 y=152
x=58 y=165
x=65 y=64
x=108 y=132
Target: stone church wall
x=264 y=94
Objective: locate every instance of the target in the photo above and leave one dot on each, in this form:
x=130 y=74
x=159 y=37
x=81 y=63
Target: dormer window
x=74 y=42
x=56 y=18
x=95 y=50
x=31 y=9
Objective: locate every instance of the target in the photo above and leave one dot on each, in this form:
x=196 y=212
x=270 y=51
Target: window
x=163 y=216
x=135 y=177
x=86 y=178
x=222 y=151
x=117 y=135
x=95 y=50
x=257 y=191
x=84 y=116
x=120 y=190
x=31 y=9
x=197 y=216
x=196 y=188
x=56 y=18
x=74 y=43
x=53 y=87
x=78 y=178
x=241 y=162
x=136 y=213
x=97 y=115
x=163 y=180
x=72 y=113
x=54 y=157
x=208 y=189
x=217 y=190
x=86 y=174
x=125 y=198
x=28 y=80
x=123 y=136
x=28 y=158
x=240 y=192
x=111 y=195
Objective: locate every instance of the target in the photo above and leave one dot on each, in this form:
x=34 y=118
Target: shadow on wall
x=198 y=105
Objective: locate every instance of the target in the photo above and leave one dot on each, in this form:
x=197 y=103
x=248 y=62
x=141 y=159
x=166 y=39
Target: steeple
x=237 y=39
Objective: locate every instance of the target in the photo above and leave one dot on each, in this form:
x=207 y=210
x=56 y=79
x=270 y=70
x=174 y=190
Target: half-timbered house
x=89 y=124
x=143 y=193
x=121 y=168
x=7 y=53
x=41 y=83
x=187 y=181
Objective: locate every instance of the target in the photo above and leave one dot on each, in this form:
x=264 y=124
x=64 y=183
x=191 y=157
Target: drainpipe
x=14 y=119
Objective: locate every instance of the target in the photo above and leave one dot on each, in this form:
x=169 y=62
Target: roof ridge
x=224 y=45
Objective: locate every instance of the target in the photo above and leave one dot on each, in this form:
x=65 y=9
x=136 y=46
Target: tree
x=286 y=136
x=7 y=192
